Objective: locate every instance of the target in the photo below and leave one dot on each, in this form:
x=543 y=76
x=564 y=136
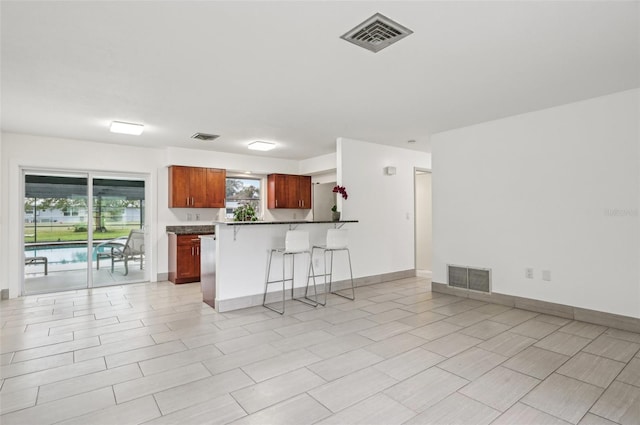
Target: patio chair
x=122 y=249
x=38 y=260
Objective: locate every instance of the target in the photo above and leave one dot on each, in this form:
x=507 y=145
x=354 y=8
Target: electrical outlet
x=546 y=275
x=528 y=273
x=197 y=217
x=189 y=216
x=295 y=216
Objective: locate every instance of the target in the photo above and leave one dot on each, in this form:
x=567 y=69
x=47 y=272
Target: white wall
x=557 y=190
x=423 y=221
x=383 y=240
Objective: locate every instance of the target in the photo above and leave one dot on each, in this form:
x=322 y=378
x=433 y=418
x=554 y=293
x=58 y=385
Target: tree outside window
x=241 y=191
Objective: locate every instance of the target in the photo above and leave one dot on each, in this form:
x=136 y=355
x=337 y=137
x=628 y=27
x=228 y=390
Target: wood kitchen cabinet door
x=304 y=191
x=184 y=258
x=216 y=188
x=198 y=187
x=179 y=183
x=288 y=191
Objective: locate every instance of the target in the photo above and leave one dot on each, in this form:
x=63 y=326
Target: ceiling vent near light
x=205 y=136
x=376 y=33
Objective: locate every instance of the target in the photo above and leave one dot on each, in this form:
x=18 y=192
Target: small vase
x=335 y=215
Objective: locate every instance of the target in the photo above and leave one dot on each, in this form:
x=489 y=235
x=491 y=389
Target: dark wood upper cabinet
x=288 y=191
x=195 y=187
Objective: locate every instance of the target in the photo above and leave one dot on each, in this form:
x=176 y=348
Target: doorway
x=423 y=222
x=78 y=230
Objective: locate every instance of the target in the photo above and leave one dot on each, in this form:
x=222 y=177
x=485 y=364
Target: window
x=242 y=191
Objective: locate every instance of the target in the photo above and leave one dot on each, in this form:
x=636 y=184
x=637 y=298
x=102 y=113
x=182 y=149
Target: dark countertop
x=192 y=229
x=245 y=223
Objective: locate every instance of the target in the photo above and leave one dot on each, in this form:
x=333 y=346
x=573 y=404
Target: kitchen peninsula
x=238 y=255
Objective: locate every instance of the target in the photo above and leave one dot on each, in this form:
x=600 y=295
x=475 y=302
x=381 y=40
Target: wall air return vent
x=475 y=279
x=376 y=33
x=205 y=136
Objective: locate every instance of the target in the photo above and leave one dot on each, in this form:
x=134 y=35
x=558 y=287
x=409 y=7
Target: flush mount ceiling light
x=126 y=128
x=261 y=146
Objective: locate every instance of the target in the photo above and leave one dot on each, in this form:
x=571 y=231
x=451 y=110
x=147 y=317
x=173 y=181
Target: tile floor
x=154 y=354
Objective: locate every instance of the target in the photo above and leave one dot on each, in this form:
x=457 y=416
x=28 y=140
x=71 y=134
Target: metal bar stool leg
x=353 y=290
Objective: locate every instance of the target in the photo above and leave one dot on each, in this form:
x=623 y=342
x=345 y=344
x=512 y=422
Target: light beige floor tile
x=454 y=309
x=563 y=397
x=151 y=384
x=345 y=316
x=595 y=370
x=5 y=359
x=409 y=363
x=275 y=323
x=421 y=319
x=468 y=318
x=145 y=353
x=138 y=332
x=456 y=409
x=182 y=358
x=507 y=343
x=390 y=316
x=23 y=341
x=240 y=358
x=554 y=320
x=84 y=325
x=514 y=316
x=21 y=399
x=350 y=389
x=563 y=343
x=264 y=394
x=274 y=366
x=472 y=363
x=395 y=345
x=103 y=330
x=613 y=348
x=536 y=362
x=216 y=336
x=244 y=342
x=485 y=330
x=49 y=324
x=185 y=332
x=391 y=296
x=435 y=330
x=620 y=403
x=301 y=341
x=523 y=414
x=534 y=328
x=425 y=389
x=113 y=348
x=299 y=410
x=344 y=364
x=60 y=410
x=354 y=305
x=351 y=327
x=385 y=331
x=500 y=388
x=35 y=365
x=376 y=410
x=52 y=375
x=339 y=345
x=631 y=373
x=585 y=330
x=182 y=396
x=302 y=327
x=86 y=383
x=591 y=419
x=414 y=299
x=452 y=344
x=381 y=307
x=130 y=413
x=215 y=411
x=56 y=348
x=627 y=336
x=493 y=309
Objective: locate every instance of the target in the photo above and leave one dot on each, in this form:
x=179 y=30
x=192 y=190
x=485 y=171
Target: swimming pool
x=63 y=254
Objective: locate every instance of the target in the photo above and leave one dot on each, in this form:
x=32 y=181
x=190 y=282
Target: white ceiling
x=279 y=71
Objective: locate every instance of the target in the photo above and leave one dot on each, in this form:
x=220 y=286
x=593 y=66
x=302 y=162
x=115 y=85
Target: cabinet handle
x=192 y=251
x=276 y=203
x=192 y=203
x=197 y=250
x=303 y=203
x=187 y=201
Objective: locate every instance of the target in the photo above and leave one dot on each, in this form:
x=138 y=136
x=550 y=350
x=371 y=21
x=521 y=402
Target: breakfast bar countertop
x=192 y=229
x=243 y=223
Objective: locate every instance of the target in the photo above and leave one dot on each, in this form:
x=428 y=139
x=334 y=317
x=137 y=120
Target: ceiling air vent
x=376 y=33
x=205 y=136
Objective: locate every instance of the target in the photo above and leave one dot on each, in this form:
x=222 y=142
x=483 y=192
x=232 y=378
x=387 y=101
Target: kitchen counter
x=192 y=230
x=245 y=223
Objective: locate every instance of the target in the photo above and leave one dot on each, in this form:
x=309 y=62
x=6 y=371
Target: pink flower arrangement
x=341 y=190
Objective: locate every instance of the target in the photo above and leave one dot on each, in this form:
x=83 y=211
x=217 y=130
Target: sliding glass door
x=82 y=231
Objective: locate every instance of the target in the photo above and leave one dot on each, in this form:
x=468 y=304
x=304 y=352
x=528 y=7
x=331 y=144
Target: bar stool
x=337 y=240
x=295 y=242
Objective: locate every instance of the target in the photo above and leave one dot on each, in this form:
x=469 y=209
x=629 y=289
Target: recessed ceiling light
x=126 y=128
x=261 y=146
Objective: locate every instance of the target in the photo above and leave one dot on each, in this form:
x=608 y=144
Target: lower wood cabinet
x=184 y=258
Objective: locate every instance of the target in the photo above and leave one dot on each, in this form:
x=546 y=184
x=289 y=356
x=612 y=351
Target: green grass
x=53 y=232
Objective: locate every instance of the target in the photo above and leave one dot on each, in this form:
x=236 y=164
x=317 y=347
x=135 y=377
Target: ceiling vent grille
x=205 y=136
x=376 y=33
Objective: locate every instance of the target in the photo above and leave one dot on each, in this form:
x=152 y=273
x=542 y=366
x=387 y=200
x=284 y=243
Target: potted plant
x=335 y=214
x=245 y=212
